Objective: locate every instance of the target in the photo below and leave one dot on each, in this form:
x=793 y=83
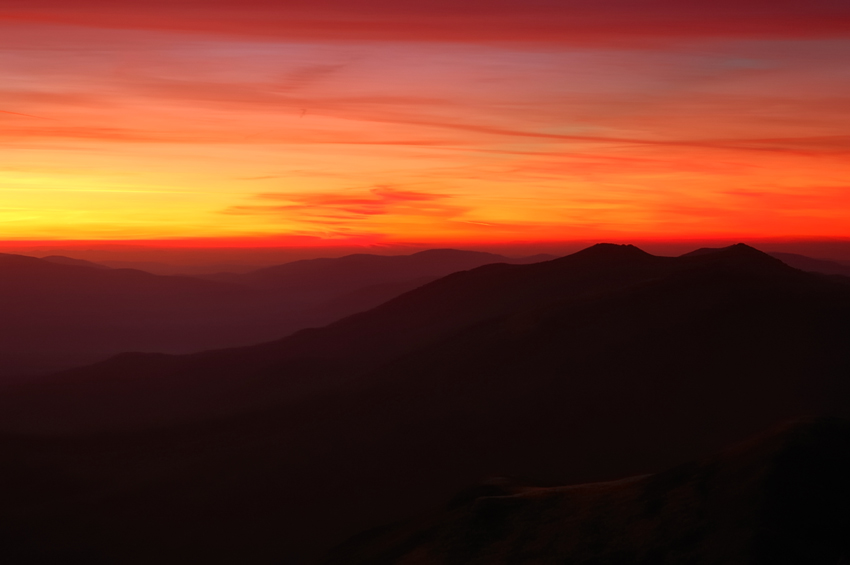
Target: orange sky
x=375 y=122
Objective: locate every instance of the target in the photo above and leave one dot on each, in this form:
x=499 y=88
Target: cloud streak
x=351 y=207
x=555 y=21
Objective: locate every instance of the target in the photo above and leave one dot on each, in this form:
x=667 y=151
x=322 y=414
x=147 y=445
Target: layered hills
x=814 y=265
x=330 y=277
x=606 y=363
x=60 y=312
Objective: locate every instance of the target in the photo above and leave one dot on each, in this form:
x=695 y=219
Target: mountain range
x=606 y=363
x=58 y=317
x=60 y=312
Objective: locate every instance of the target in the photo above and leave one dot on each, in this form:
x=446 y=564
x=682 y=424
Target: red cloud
x=570 y=21
x=338 y=209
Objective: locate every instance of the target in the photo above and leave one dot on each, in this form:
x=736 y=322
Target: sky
x=375 y=123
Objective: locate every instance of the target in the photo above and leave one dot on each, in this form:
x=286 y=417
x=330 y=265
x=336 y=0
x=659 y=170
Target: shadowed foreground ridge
x=782 y=499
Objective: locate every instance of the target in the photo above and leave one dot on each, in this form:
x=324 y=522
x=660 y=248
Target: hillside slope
x=602 y=364
x=781 y=499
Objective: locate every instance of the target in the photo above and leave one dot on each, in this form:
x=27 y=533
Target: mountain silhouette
x=783 y=498
x=60 y=312
x=814 y=265
x=62 y=260
x=330 y=276
x=794 y=260
x=317 y=359
x=607 y=363
x=182 y=269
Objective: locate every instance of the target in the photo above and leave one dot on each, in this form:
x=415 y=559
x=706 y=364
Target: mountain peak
x=738 y=249
x=741 y=247
x=738 y=253
x=612 y=250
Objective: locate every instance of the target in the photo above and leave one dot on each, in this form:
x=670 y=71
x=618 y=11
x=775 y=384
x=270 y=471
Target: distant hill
x=606 y=363
x=781 y=499
x=61 y=260
x=795 y=260
x=323 y=277
x=814 y=265
x=159 y=268
x=350 y=347
x=58 y=312
x=61 y=312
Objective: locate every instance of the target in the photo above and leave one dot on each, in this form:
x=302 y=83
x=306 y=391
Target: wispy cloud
x=349 y=207
x=7 y=113
x=793 y=198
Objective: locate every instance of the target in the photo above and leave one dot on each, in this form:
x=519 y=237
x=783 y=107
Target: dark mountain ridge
x=607 y=363
x=465 y=308
x=315 y=359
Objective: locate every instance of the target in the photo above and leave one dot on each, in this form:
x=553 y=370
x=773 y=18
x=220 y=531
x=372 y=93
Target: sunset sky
x=374 y=122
